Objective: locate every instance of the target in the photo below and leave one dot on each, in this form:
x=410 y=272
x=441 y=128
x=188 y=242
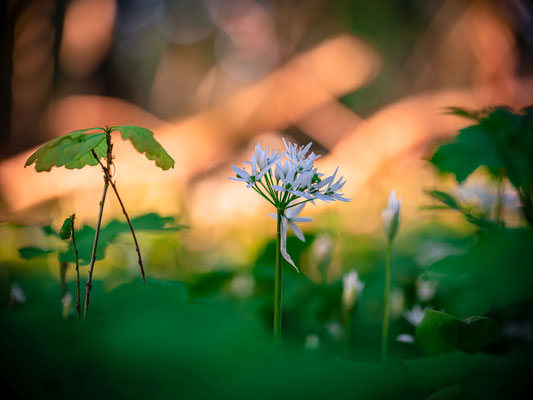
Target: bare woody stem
x=88 y=286
x=113 y=185
x=78 y=307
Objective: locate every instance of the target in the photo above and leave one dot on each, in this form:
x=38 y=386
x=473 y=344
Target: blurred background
x=367 y=82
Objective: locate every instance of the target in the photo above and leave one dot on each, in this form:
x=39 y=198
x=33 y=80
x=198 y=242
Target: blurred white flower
x=68 y=305
x=312 y=341
x=405 y=338
x=391 y=216
x=335 y=329
x=416 y=315
x=322 y=248
x=397 y=300
x=242 y=286
x=431 y=251
x=484 y=196
x=352 y=286
x=425 y=289
x=16 y=295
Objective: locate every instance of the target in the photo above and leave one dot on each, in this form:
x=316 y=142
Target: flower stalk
x=288 y=185
x=391 y=223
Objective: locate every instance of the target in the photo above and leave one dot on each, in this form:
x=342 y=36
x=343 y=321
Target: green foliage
x=108 y=234
x=143 y=140
x=153 y=341
x=493 y=275
x=502 y=141
x=471 y=149
x=73 y=151
x=440 y=332
x=66 y=229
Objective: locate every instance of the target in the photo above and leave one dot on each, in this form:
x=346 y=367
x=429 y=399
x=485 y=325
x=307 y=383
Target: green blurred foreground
x=202 y=339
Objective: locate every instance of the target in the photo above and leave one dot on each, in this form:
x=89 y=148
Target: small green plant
x=80 y=148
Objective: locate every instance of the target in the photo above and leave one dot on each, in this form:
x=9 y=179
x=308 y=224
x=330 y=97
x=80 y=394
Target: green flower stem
x=301 y=202
x=278 y=282
x=78 y=308
x=347 y=333
x=386 y=305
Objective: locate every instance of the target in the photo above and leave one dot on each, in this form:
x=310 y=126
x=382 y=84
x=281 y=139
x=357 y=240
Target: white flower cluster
x=285 y=177
x=289 y=179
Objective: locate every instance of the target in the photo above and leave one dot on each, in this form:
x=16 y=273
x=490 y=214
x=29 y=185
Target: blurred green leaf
x=469 y=150
x=445 y=198
x=109 y=233
x=73 y=151
x=495 y=273
x=143 y=140
x=463 y=112
x=440 y=332
x=32 y=252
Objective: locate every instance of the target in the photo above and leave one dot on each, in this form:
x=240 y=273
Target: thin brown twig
x=109 y=161
x=108 y=174
x=78 y=308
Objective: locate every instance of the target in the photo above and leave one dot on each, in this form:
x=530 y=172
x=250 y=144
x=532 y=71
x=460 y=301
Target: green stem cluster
x=280 y=200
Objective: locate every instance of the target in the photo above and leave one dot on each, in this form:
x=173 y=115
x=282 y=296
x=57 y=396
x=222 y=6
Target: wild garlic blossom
x=288 y=180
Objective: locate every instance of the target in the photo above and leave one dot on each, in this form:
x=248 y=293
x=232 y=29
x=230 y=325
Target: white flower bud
x=16 y=296
x=391 y=216
x=351 y=287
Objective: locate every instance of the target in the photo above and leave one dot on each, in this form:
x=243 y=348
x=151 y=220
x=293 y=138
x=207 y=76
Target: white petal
x=283 y=244
x=297 y=231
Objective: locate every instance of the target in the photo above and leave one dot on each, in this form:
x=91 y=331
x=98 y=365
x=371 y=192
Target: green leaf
x=463 y=112
x=66 y=229
x=470 y=150
x=440 y=332
x=110 y=232
x=493 y=275
x=143 y=140
x=73 y=151
x=444 y=198
x=32 y=252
